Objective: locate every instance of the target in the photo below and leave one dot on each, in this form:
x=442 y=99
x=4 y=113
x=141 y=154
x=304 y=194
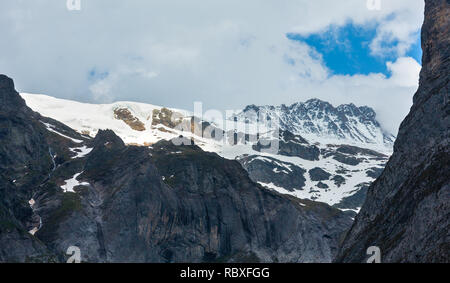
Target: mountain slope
x=334 y=174
x=407 y=211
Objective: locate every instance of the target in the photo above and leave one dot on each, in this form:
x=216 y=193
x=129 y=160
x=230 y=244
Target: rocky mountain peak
x=108 y=139
x=252 y=107
x=368 y=112
x=10 y=100
x=314 y=103
x=6 y=83
x=321 y=121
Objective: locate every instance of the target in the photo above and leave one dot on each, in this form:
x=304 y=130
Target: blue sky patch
x=346 y=49
x=95 y=75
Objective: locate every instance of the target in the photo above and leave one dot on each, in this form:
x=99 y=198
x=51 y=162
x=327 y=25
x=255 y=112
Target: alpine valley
x=309 y=182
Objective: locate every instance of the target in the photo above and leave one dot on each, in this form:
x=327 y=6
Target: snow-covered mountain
x=319 y=120
x=324 y=154
x=90 y=118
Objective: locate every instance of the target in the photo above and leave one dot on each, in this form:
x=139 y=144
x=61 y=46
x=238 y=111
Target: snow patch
x=81 y=151
x=72 y=183
x=51 y=129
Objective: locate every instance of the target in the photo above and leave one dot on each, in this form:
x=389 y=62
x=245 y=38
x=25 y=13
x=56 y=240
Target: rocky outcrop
x=133 y=122
x=269 y=170
x=290 y=145
x=406 y=213
x=318 y=174
x=354 y=201
x=166 y=117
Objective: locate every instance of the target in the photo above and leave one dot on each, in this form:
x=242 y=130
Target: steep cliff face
x=407 y=210
x=121 y=203
x=25 y=162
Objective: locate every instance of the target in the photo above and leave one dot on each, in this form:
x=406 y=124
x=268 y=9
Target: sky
x=224 y=53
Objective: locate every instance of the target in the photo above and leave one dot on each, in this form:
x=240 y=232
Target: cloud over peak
x=226 y=53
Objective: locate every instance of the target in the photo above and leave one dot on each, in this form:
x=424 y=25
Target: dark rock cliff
x=25 y=162
x=406 y=213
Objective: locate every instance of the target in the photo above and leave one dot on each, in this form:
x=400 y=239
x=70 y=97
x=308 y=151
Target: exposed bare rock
x=268 y=170
x=166 y=117
x=125 y=115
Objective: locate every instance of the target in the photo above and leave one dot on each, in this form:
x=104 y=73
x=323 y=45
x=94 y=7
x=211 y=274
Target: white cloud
x=405 y=72
x=391 y=97
x=226 y=53
x=101 y=90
